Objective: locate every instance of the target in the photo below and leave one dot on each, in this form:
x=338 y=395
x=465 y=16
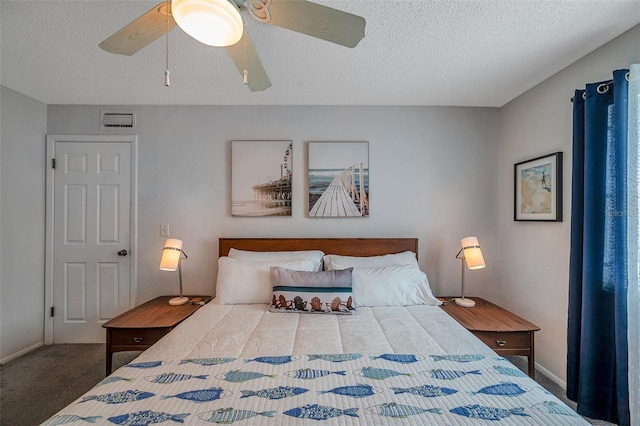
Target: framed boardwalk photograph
x=338 y=179
x=261 y=173
x=538 y=189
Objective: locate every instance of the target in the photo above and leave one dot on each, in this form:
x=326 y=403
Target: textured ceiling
x=415 y=52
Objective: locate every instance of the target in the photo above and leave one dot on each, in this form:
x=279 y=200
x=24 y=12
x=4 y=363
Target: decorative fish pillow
x=322 y=292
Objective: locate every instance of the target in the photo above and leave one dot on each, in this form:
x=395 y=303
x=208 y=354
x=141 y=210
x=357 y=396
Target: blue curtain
x=597 y=351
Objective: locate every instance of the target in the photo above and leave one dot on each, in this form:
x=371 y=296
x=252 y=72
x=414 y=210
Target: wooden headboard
x=341 y=246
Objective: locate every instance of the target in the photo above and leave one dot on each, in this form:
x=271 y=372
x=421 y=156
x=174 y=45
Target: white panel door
x=91 y=241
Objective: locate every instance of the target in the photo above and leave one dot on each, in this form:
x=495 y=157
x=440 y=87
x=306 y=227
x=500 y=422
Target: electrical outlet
x=164 y=230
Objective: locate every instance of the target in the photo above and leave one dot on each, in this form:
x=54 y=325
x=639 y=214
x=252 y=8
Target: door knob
x=122 y=252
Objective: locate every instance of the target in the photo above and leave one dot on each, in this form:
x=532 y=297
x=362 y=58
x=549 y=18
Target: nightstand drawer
x=504 y=340
x=503 y=331
x=140 y=336
x=140 y=327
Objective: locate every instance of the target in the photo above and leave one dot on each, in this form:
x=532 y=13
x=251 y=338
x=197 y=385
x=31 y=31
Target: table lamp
x=171 y=260
x=471 y=254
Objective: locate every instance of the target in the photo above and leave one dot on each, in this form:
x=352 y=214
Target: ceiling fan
x=218 y=23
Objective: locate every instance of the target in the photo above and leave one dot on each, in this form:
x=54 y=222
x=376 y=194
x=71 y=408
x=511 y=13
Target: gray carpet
x=551 y=386
x=40 y=383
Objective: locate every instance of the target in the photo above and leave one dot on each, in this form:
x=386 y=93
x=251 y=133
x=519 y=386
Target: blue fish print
x=476 y=411
x=380 y=373
x=207 y=361
x=320 y=412
x=405 y=359
x=457 y=358
x=426 y=391
x=274 y=393
x=147 y=417
x=119 y=397
x=399 y=411
x=229 y=415
x=112 y=379
x=355 y=391
x=273 y=360
x=335 y=357
x=201 y=395
x=148 y=364
x=501 y=389
x=309 y=374
x=451 y=374
x=508 y=371
x=237 y=376
x=69 y=418
x=555 y=408
x=173 y=377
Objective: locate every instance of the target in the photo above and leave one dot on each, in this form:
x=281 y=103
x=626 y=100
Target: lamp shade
x=212 y=22
x=472 y=253
x=171 y=255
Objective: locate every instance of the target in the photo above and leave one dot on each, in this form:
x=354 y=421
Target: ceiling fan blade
x=141 y=31
x=257 y=79
x=311 y=19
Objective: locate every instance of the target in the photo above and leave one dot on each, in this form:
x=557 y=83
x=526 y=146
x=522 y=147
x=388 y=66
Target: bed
x=387 y=357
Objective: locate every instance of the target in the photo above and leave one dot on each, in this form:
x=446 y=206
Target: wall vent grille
x=117 y=120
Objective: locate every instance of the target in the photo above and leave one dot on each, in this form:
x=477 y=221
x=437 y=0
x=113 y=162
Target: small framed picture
x=338 y=179
x=538 y=189
x=261 y=174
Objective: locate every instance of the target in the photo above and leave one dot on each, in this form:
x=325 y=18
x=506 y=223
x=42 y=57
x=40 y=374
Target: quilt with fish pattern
x=320 y=389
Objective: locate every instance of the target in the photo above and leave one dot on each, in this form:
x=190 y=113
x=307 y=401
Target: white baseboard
x=20 y=353
x=552 y=376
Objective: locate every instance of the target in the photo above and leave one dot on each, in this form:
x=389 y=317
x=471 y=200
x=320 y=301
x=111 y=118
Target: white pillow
x=265 y=256
x=334 y=261
x=241 y=282
x=391 y=286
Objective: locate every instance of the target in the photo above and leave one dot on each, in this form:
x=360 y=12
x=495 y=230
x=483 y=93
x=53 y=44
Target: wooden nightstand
x=142 y=326
x=504 y=332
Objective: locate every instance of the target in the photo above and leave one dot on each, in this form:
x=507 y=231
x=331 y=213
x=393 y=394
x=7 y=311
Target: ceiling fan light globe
x=212 y=22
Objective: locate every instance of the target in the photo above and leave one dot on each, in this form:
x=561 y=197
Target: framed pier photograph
x=261 y=173
x=538 y=189
x=338 y=179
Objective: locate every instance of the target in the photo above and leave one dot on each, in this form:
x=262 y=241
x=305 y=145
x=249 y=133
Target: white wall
x=534 y=271
x=433 y=176
x=22 y=190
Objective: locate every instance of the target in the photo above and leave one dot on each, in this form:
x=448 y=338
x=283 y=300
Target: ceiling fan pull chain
x=245 y=78
x=167 y=81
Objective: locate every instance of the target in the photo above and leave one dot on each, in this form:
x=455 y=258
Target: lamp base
x=467 y=303
x=178 y=301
